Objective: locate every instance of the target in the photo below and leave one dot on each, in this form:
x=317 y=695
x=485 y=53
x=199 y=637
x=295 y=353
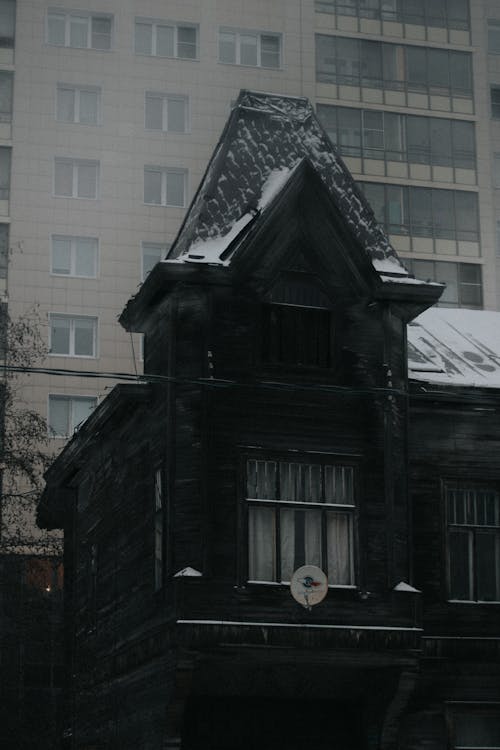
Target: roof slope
x=267 y=134
x=455 y=347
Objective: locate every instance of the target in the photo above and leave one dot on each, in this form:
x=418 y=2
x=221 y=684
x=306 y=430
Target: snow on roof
x=455 y=347
x=265 y=137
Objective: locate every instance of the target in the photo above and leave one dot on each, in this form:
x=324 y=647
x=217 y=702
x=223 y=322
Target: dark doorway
x=266 y=724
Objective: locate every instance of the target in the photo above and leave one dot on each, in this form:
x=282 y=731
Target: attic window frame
x=308 y=316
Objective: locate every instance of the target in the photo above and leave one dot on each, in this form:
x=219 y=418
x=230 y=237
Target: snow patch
x=210 y=250
x=389 y=265
x=272 y=186
x=188 y=573
x=402 y=586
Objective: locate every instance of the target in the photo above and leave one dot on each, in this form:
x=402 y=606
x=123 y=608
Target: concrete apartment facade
x=116 y=109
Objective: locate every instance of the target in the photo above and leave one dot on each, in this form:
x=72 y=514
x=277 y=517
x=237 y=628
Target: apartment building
x=111 y=110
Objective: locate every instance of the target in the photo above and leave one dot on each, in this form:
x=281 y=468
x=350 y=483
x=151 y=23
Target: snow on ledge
x=402 y=586
x=188 y=573
x=272 y=186
x=209 y=251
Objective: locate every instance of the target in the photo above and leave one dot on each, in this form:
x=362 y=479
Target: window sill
x=471 y=601
x=73 y=356
x=286 y=585
x=166 y=57
x=250 y=67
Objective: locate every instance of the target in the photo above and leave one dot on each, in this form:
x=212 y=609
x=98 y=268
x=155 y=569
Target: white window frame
x=165 y=104
x=238 y=33
x=73 y=239
x=76 y=164
x=70 y=398
x=494 y=36
x=72 y=318
x=346 y=507
x=68 y=15
x=165 y=171
x=163 y=254
x=175 y=25
x=77 y=91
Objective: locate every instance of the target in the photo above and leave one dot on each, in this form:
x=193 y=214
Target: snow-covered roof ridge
x=266 y=135
x=458 y=347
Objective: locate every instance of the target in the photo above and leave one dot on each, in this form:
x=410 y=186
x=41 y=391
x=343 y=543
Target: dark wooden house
x=277 y=427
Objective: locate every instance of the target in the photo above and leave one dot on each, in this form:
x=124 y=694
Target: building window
x=374 y=134
x=494 y=37
x=463 y=281
x=474 y=727
x=74 y=256
x=370 y=64
x=76 y=178
x=5 y=158
x=4 y=250
x=166 y=112
x=152 y=253
x=7 y=23
x=165 y=186
x=257 y=49
x=451 y=14
x=67 y=413
x=425 y=212
x=73 y=336
x=80 y=30
x=79 y=104
x=300 y=512
x=163 y=39
x=6 y=87
x=495 y=102
x=473 y=517
x=158 y=529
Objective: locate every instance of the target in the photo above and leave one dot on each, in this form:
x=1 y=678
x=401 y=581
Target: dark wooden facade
x=174 y=636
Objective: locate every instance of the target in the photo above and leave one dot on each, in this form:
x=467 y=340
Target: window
x=164 y=186
x=73 y=336
x=6 y=82
x=463 y=281
x=425 y=212
x=495 y=102
x=81 y=30
x=475 y=727
x=356 y=62
x=76 y=178
x=7 y=23
x=167 y=112
x=300 y=512
x=80 y=104
x=473 y=517
x=257 y=49
x=67 y=413
x=158 y=530
x=5 y=154
x=494 y=37
x=297 y=324
x=452 y=14
x=74 y=256
x=152 y=252
x=163 y=39
x=4 y=250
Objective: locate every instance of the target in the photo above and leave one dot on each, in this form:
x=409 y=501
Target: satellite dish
x=309 y=586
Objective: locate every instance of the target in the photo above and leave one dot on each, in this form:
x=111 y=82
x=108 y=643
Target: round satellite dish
x=309 y=585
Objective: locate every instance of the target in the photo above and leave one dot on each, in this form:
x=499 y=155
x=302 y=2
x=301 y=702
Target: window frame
x=73 y=239
x=477 y=708
x=399 y=14
x=72 y=318
x=238 y=34
x=166 y=97
x=461 y=284
x=493 y=31
x=89 y=15
x=70 y=398
x=495 y=105
x=165 y=171
x=473 y=530
x=248 y=453
x=175 y=25
x=77 y=89
x=76 y=163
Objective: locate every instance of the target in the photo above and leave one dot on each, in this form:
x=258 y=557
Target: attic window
x=297 y=325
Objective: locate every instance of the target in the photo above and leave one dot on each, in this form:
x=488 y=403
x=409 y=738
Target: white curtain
x=339 y=549
x=261 y=544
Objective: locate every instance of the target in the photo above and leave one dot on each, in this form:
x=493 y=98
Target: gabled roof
x=455 y=347
x=266 y=136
